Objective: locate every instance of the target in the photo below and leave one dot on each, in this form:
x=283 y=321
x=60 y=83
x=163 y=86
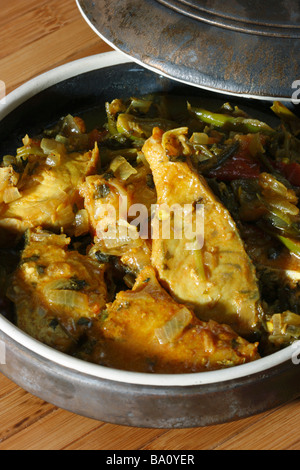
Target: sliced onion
x=129 y=280
x=11 y=194
x=199 y=138
x=58 y=284
x=53 y=159
x=65 y=214
x=69 y=299
x=174 y=327
x=271 y=185
x=50 y=146
x=26 y=140
x=24 y=152
x=283 y=205
x=50 y=238
x=119 y=236
x=5 y=174
x=122 y=168
x=277 y=324
x=291 y=318
x=142 y=159
x=71 y=125
x=62 y=139
x=8 y=160
x=82 y=224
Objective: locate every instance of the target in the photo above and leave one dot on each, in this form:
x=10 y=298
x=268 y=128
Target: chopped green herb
x=77 y=284
x=54 y=323
x=102 y=191
x=103 y=315
x=31 y=259
x=108 y=175
x=103 y=257
x=72 y=284
x=150 y=181
x=83 y=321
x=41 y=269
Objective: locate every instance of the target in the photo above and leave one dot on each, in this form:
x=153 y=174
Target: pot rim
x=96 y=371
x=7 y=105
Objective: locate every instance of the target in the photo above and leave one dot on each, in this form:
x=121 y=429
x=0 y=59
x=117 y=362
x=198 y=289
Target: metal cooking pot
x=116 y=396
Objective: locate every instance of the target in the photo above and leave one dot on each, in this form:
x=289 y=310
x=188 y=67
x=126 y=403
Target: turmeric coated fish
x=108 y=199
x=145 y=330
x=217 y=279
x=45 y=192
x=57 y=292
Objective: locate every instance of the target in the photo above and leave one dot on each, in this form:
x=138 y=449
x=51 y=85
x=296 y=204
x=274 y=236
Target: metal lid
x=273 y=18
x=242 y=47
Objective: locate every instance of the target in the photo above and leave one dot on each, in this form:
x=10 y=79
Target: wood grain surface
x=36 y=36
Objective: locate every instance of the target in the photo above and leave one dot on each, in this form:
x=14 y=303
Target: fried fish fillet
x=45 y=193
x=145 y=330
x=218 y=278
x=108 y=201
x=57 y=292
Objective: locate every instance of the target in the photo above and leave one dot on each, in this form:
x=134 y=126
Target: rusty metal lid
x=241 y=47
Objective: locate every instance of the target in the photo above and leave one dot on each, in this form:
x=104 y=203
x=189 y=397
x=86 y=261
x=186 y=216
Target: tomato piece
x=236 y=168
x=96 y=135
x=240 y=165
x=291 y=171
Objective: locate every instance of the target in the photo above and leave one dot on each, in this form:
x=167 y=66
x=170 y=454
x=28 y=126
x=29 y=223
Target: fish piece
x=215 y=277
x=108 y=201
x=57 y=292
x=146 y=330
x=44 y=193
